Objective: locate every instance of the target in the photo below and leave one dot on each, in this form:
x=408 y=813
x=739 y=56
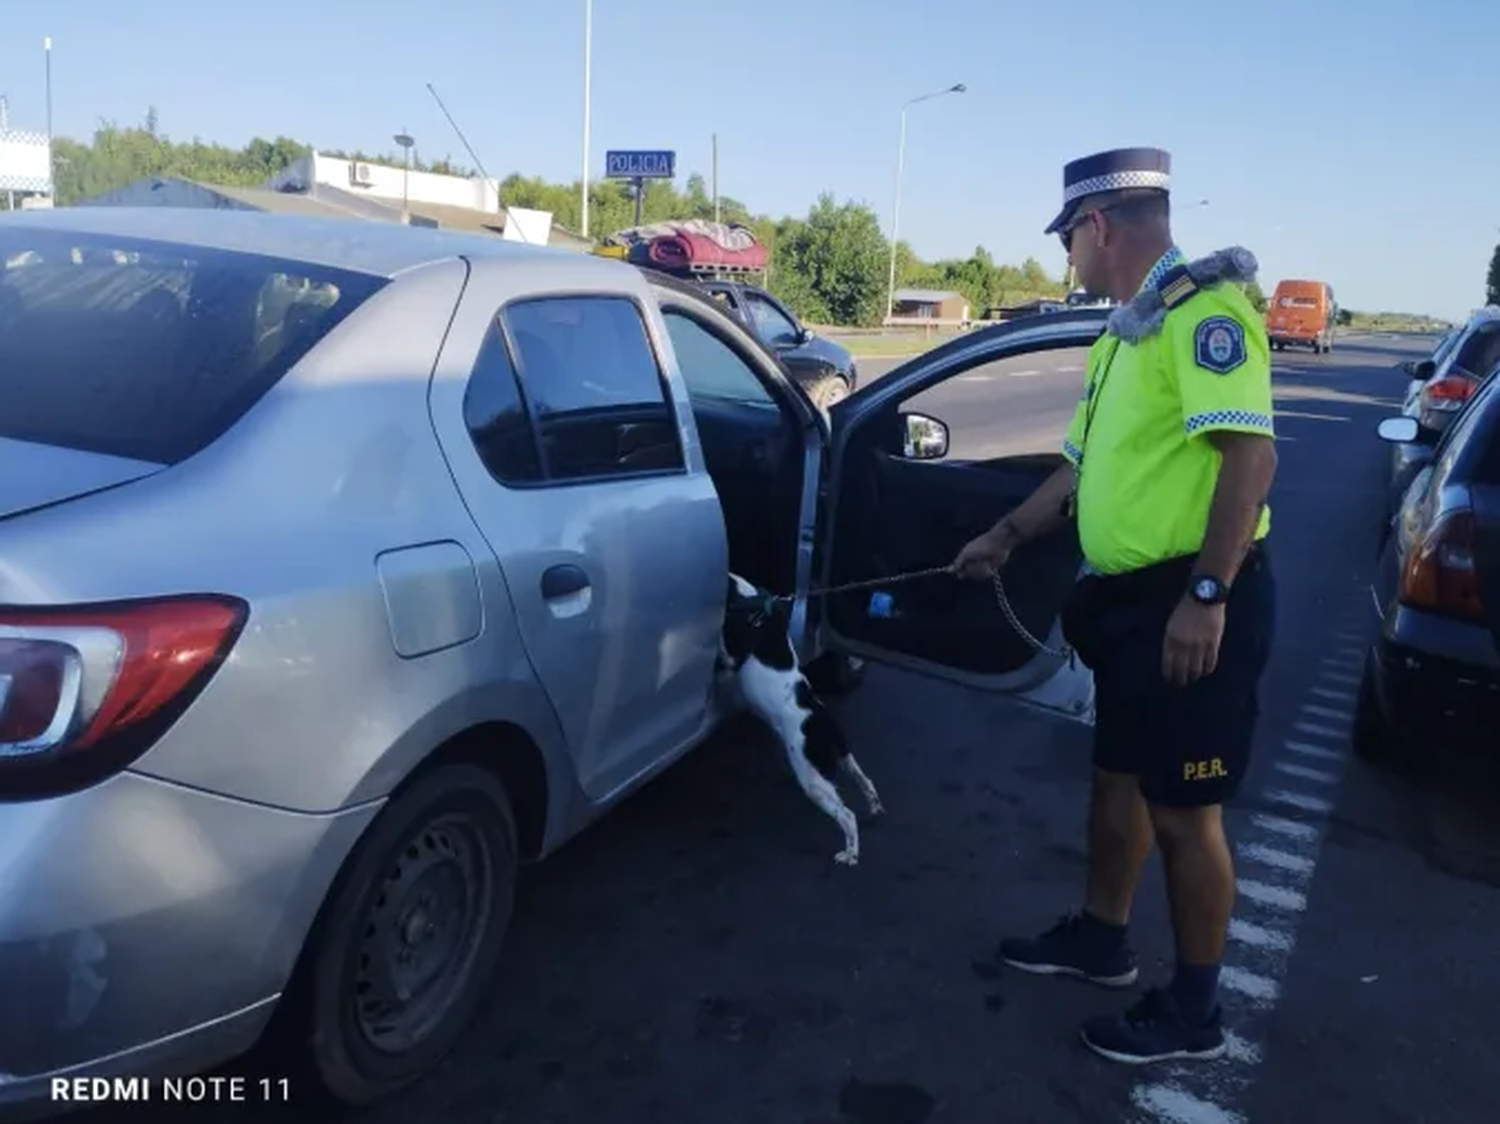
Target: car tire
x=826 y=390
x=1372 y=738
x=834 y=674
x=450 y=835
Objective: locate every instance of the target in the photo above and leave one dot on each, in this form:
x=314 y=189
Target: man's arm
x=1245 y=475
x=1040 y=513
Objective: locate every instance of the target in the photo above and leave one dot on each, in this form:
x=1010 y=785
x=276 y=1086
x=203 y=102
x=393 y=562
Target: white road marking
x=1307 y=749
x=1352 y=652
x=1303 y=773
x=1340 y=677
x=1350 y=637
x=1327 y=712
x=1178 y=1106
x=1024 y=374
x=1330 y=693
x=1249 y=984
x=1281 y=860
x=975 y=378
x=1298 y=800
x=1277 y=897
x=1240 y=1050
x=1303 y=832
x=1338 y=661
x=1318 y=731
x=1258 y=936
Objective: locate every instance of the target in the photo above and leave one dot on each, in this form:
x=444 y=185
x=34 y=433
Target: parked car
x=1431 y=680
x=346 y=567
x=1437 y=388
x=822 y=368
x=1302 y=314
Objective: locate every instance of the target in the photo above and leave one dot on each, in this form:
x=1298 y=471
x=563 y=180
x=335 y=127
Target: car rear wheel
x=827 y=390
x=410 y=937
x=1372 y=738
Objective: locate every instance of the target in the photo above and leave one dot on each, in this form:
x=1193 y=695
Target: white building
x=329 y=187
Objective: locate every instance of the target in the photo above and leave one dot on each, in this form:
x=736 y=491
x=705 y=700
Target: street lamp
x=405 y=140
x=890 y=296
x=588 y=63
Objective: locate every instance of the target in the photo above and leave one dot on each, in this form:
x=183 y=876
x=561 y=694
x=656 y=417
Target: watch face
x=1206 y=590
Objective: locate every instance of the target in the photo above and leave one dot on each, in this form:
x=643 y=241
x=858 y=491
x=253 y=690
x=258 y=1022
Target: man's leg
x=1092 y=944
x=1200 y=890
x=1120 y=838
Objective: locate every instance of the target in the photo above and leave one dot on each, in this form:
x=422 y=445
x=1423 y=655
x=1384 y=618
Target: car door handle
x=560 y=581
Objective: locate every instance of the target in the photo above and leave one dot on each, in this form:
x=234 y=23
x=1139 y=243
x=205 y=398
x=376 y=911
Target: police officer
x=1170 y=456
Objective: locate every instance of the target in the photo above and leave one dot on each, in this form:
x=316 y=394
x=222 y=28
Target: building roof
x=926 y=296
x=381 y=249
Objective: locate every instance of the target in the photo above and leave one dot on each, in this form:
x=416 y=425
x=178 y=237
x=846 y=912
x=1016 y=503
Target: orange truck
x=1302 y=314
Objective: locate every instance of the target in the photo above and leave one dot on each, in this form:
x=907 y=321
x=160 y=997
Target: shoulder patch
x=1219 y=344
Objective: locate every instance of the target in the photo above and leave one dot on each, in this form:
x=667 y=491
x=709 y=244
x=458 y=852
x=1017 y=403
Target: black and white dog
x=756 y=651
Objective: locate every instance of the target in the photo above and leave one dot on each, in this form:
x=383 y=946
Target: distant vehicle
x=1431 y=680
x=1302 y=314
x=824 y=370
x=1079 y=298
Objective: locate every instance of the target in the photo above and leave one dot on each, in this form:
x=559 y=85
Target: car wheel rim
x=835 y=393
x=422 y=933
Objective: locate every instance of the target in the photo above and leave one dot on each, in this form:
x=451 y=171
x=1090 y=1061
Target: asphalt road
x=697 y=958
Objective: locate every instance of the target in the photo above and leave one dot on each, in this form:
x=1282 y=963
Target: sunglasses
x=1066 y=233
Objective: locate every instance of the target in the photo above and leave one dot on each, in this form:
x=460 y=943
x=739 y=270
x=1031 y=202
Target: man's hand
x=986 y=555
x=1191 y=648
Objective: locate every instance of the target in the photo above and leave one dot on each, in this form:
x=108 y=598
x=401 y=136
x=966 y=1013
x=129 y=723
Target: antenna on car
x=509 y=218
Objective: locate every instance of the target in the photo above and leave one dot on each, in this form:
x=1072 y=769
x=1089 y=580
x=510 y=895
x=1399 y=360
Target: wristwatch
x=1208 y=590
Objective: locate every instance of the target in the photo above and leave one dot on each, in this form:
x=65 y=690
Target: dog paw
x=876 y=808
x=847 y=858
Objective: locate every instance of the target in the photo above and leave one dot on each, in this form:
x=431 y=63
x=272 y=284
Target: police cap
x=1119 y=169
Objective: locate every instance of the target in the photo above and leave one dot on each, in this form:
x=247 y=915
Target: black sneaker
x=1154 y=1030
x=1075 y=946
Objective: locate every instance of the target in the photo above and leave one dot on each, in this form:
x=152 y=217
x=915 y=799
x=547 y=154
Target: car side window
x=770 y=323
x=710 y=367
x=595 y=391
x=496 y=417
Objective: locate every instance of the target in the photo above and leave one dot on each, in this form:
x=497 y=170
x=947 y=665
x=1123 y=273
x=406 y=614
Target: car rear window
x=150 y=350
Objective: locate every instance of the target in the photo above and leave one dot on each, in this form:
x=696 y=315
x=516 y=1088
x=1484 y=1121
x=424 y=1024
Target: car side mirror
x=805 y=336
x=923 y=438
x=1424 y=370
x=1398 y=431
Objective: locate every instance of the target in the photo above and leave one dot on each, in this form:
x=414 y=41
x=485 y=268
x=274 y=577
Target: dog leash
x=1001 y=599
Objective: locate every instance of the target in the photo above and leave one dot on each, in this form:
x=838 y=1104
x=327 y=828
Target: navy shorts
x=1189 y=746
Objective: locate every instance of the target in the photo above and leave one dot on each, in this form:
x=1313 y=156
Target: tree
x=1256 y=296
x=1492 y=286
x=833 y=264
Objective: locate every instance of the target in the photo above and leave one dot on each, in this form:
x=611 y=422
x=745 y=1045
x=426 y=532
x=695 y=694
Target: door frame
x=1054 y=683
x=682 y=297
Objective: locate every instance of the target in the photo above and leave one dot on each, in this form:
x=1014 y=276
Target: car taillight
x=84 y=690
x=1440 y=575
x=1447 y=394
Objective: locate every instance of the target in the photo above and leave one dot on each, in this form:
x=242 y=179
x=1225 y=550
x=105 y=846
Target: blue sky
x=1347 y=147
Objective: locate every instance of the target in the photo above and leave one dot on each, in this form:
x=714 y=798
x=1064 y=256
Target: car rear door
x=896 y=508
x=561 y=412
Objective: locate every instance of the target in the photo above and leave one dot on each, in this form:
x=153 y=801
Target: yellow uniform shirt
x=1146 y=473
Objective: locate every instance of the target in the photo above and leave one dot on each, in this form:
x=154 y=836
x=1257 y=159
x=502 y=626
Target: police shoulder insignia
x=1219 y=344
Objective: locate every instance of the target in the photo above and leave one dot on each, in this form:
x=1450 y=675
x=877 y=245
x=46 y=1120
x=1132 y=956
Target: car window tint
x=596 y=394
x=770 y=324
x=147 y=349
x=710 y=367
x=496 y=416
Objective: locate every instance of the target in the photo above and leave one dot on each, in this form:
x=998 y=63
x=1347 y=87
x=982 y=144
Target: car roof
x=374 y=248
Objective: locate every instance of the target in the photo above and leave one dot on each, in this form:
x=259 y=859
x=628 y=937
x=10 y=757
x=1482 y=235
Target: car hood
x=33 y=476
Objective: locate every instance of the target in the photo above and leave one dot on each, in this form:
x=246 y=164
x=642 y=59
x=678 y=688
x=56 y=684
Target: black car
x=823 y=369
x=1431 y=680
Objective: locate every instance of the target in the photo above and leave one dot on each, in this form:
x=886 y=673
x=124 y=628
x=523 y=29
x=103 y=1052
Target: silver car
x=345 y=567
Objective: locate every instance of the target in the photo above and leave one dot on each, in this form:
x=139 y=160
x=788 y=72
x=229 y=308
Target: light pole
x=890 y=293
x=405 y=140
x=588 y=66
